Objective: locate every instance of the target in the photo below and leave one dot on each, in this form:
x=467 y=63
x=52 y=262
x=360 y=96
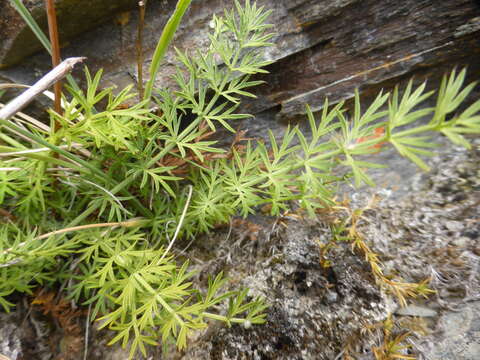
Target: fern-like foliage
x=97 y=204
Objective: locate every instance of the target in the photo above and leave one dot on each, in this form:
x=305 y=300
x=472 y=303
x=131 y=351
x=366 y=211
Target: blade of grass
x=32 y=24
x=162 y=45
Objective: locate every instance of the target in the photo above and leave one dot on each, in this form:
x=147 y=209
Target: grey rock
x=321 y=48
x=461 y=242
x=415 y=310
x=457 y=336
x=313 y=311
x=454 y=225
x=74 y=17
x=10 y=338
x=435 y=237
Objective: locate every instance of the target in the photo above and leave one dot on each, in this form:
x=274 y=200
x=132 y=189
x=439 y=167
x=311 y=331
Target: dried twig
x=128 y=223
x=41 y=85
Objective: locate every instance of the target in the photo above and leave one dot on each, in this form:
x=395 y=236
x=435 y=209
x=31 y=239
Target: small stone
x=331 y=297
x=454 y=225
x=461 y=242
x=10 y=339
x=415 y=310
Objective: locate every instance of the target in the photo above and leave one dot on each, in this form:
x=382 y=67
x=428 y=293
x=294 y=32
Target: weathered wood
x=57 y=73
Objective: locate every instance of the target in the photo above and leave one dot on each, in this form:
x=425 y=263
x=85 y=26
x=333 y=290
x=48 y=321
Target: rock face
x=434 y=232
x=322 y=47
x=369 y=44
x=10 y=338
x=314 y=311
x=74 y=17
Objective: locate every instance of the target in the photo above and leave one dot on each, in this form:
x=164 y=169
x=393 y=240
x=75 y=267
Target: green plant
x=344 y=228
x=121 y=266
x=94 y=204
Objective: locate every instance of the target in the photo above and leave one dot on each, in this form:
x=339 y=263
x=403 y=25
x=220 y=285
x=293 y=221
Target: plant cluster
x=345 y=230
x=393 y=337
x=97 y=204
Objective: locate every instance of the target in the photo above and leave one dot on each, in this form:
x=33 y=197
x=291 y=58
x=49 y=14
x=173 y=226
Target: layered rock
x=322 y=48
x=17 y=41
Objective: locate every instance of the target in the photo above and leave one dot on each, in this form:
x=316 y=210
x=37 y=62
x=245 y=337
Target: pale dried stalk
x=128 y=223
x=182 y=217
x=59 y=72
x=32 y=151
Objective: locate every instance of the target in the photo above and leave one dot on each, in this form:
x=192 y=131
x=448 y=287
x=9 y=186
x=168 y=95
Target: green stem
x=328 y=155
x=152 y=291
x=127 y=181
x=223 y=318
x=373 y=142
x=170 y=310
x=413 y=131
x=82 y=216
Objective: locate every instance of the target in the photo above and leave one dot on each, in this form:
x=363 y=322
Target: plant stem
x=180 y=222
x=413 y=131
x=82 y=216
x=326 y=156
x=141 y=23
x=223 y=318
x=53 y=32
